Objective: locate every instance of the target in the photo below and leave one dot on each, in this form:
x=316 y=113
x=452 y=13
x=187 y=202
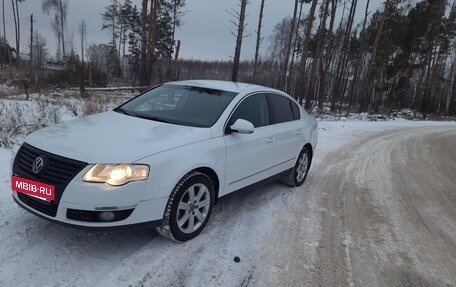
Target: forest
x=402 y=56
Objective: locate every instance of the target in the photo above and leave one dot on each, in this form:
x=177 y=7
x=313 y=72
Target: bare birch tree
x=240 y=25
x=259 y=40
x=82 y=37
x=59 y=21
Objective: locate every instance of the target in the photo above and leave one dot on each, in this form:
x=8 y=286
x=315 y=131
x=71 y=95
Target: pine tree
x=177 y=13
x=165 y=26
x=134 y=39
x=125 y=11
x=111 y=22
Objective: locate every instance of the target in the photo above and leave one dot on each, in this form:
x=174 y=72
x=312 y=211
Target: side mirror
x=242 y=127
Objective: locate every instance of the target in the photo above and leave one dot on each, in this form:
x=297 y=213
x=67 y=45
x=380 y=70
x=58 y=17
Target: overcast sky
x=204 y=35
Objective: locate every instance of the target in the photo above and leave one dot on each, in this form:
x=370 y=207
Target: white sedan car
x=164 y=157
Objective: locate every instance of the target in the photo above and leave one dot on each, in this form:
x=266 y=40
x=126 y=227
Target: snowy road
x=378 y=209
x=386 y=212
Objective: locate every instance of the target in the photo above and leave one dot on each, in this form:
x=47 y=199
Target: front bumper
x=139 y=218
x=80 y=203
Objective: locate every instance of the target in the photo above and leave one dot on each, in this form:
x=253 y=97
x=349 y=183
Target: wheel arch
x=213 y=176
x=309 y=147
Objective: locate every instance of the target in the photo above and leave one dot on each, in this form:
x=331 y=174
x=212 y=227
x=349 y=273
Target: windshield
x=177 y=104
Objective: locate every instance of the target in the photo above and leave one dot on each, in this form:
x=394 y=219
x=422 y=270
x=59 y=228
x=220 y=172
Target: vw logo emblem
x=37 y=165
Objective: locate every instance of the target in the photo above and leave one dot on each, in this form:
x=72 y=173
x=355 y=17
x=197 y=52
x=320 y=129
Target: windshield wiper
x=152 y=118
x=122 y=111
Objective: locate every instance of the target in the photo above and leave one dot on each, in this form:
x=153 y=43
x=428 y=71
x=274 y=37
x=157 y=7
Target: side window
x=296 y=112
x=280 y=108
x=253 y=109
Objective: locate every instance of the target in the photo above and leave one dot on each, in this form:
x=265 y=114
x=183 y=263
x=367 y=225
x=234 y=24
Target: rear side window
x=254 y=109
x=280 y=108
x=295 y=109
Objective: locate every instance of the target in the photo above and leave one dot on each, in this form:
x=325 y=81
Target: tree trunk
x=452 y=106
x=240 y=35
x=4 y=35
x=436 y=82
x=325 y=58
x=152 y=37
x=31 y=42
x=177 y=16
x=317 y=56
x=176 y=59
x=120 y=49
x=258 y=41
x=121 y=28
x=124 y=41
x=324 y=38
x=62 y=27
x=344 y=88
x=143 y=64
x=295 y=43
x=286 y=60
x=114 y=47
x=15 y=28
x=59 y=42
x=4 y=25
x=321 y=89
x=371 y=68
x=337 y=91
x=301 y=81
x=419 y=87
x=18 y=42
x=83 y=36
x=7 y=51
x=361 y=53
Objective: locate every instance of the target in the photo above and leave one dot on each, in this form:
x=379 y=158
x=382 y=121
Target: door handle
x=298 y=133
x=270 y=140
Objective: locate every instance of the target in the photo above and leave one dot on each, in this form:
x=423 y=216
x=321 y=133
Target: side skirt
x=257 y=185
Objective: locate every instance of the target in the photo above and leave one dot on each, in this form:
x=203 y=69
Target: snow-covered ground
x=19 y=117
x=34 y=252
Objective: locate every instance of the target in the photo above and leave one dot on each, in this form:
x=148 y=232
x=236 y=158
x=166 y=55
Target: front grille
x=48 y=208
x=95 y=216
x=57 y=171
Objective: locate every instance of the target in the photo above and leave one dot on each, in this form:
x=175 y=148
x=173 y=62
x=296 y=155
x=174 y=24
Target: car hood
x=112 y=137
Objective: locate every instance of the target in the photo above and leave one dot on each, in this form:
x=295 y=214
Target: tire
x=299 y=173
x=189 y=207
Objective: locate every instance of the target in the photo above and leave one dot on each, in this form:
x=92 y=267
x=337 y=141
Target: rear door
x=249 y=157
x=288 y=138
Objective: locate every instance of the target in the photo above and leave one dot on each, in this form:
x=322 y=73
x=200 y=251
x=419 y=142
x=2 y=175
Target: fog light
x=107 y=216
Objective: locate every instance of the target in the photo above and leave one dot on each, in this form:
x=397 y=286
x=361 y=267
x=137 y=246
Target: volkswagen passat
x=164 y=157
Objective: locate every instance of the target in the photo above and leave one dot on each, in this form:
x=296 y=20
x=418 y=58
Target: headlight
x=116 y=174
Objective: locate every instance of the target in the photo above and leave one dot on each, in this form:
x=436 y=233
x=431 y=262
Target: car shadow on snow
x=43 y=238
x=90 y=255
x=65 y=239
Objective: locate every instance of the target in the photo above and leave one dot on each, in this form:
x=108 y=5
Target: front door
x=250 y=157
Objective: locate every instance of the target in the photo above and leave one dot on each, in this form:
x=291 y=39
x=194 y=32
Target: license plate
x=34 y=188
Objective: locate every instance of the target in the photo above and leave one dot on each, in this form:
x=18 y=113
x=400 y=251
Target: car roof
x=236 y=87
